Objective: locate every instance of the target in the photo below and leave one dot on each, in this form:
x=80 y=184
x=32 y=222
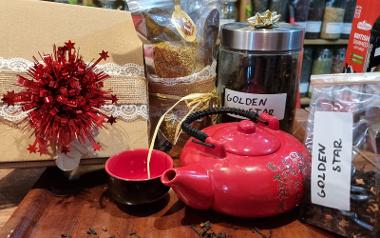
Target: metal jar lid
x=242 y=36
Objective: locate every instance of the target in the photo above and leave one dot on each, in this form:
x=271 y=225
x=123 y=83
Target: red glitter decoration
x=111 y=120
x=63 y=95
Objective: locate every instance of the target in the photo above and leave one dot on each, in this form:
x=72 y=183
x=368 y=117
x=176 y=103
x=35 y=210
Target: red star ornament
x=8 y=98
x=112 y=120
x=104 y=55
x=65 y=150
x=114 y=99
x=43 y=150
x=32 y=149
x=69 y=45
x=65 y=90
x=97 y=147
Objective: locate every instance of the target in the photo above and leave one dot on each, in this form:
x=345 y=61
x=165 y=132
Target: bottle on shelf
x=323 y=60
x=307 y=65
x=229 y=12
x=281 y=7
x=333 y=19
x=374 y=56
x=300 y=8
x=348 y=17
x=260 y=6
x=315 y=18
x=339 y=56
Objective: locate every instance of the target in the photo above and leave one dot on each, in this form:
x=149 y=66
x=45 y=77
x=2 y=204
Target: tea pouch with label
x=343 y=136
x=179 y=46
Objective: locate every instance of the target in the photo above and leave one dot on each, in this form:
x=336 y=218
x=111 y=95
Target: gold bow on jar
x=265 y=19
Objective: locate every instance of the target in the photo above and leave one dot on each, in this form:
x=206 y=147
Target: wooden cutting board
x=56 y=207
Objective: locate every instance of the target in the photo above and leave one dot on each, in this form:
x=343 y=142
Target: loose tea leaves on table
x=91 y=231
x=257 y=230
x=205 y=231
x=134 y=234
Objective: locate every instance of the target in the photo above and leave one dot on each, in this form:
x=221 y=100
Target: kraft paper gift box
x=28 y=27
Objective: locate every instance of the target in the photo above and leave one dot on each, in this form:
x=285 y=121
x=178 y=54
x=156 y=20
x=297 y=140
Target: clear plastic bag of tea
x=179 y=39
x=179 y=35
x=358 y=95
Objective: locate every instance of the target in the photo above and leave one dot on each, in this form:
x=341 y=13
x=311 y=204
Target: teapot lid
x=246 y=138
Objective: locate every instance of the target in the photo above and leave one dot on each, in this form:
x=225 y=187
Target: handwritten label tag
x=331 y=160
x=273 y=104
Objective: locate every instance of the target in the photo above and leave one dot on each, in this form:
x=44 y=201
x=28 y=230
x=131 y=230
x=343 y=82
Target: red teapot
x=245 y=169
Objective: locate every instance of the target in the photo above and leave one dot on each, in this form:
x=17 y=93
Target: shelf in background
x=325 y=42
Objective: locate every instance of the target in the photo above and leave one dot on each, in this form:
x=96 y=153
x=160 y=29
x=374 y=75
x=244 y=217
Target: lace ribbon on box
x=127 y=112
x=206 y=73
x=15 y=64
x=12 y=113
x=22 y=65
x=133 y=105
x=16 y=115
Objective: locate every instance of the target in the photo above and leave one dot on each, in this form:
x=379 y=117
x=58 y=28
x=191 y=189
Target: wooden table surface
x=56 y=207
x=14 y=185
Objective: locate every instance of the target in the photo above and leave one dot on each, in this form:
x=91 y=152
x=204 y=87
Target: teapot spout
x=192 y=185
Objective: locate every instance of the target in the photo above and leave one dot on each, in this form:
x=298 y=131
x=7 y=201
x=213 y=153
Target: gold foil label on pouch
x=184 y=24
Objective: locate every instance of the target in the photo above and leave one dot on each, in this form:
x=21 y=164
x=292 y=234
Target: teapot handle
x=263 y=118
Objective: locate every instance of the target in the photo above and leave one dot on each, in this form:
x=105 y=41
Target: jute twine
x=162 y=97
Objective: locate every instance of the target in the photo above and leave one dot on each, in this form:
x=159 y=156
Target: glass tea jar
x=323 y=61
x=348 y=17
x=315 y=17
x=229 y=12
x=307 y=65
x=260 y=5
x=259 y=69
x=281 y=7
x=338 y=62
x=333 y=17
